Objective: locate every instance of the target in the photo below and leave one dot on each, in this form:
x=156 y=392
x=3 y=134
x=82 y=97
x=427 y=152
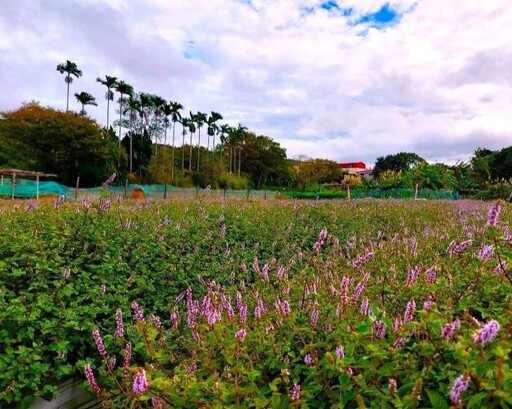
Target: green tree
x=124 y=89
x=47 y=140
x=175 y=112
x=70 y=68
x=85 y=98
x=400 y=162
x=191 y=130
x=390 y=179
x=314 y=171
x=427 y=176
x=264 y=160
x=213 y=128
x=199 y=118
x=140 y=145
x=185 y=122
x=110 y=83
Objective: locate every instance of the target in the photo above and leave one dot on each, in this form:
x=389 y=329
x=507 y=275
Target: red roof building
x=352 y=167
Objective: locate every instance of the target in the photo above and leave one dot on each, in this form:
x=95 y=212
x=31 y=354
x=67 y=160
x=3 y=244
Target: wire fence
x=26 y=188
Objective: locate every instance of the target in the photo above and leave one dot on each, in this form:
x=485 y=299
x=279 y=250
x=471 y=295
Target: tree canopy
x=47 y=140
x=399 y=162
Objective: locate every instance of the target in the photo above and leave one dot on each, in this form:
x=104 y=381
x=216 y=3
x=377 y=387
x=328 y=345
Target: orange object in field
x=138 y=194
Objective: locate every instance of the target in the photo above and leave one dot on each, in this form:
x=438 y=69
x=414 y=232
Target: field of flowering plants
x=271 y=304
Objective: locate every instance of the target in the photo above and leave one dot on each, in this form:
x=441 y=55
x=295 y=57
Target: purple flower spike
x=240 y=335
x=140 y=383
x=99 y=343
x=120 y=325
x=139 y=314
x=92 y=381
x=109 y=180
x=487 y=333
x=493 y=215
x=459 y=386
x=409 y=311
x=295 y=392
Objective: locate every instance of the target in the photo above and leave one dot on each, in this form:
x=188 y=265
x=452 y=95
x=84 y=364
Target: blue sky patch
x=384 y=17
x=329 y=5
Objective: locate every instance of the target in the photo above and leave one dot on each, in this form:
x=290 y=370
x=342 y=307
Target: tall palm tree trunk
x=190 y=154
x=198 y=149
x=68 y=80
x=108 y=109
x=239 y=160
x=183 y=152
x=230 y=157
x=120 y=118
x=172 y=150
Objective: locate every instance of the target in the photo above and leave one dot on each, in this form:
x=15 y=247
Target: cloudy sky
x=344 y=80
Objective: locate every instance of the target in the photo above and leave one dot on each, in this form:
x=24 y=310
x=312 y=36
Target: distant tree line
x=152 y=140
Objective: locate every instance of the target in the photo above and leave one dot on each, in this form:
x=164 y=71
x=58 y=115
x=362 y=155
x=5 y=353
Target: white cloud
x=436 y=82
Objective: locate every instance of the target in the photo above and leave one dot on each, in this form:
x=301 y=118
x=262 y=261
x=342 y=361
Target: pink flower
x=409 y=311
x=120 y=326
x=156 y=321
x=493 y=215
x=314 y=317
x=392 y=386
x=127 y=358
x=99 y=343
x=449 y=329
x=139 y=313
x=240 y=335
x=340 y=352
x=459 y=386
x=92 y=381
x=295 y=392
x=157 y=403
x=285 y=308
x=308 y=360
x=487 y=333
x=140 y=383
x=379 y=328
x=412 y=276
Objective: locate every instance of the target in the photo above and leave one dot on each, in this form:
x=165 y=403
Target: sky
x=345 y=80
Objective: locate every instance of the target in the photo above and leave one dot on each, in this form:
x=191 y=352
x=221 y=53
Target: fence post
x=13 y=185
x=126 y=189
x=37 y=186
x=165 y=191
x=416 y=192
x=77 y=184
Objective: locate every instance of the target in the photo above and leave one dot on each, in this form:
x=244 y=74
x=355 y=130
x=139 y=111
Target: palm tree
x=235 y=139
x=124 y=89
x=212 y=128
x=85 y=99
x=176 y=107
x=158 y=104
x=192 y=130
x=200 y=119
x=109 y=82
x=241 y=132
x=185 y=122
x=70 y=68
x=133 y=108
x=223 y=131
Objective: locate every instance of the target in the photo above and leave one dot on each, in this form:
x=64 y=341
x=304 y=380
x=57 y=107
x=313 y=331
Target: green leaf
x=437 y=400
x=474 y=401
x=27 y=402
